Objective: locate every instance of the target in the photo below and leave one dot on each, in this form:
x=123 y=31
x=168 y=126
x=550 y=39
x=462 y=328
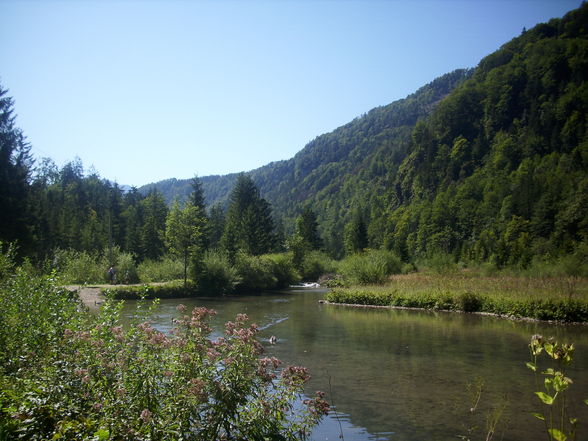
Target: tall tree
x=15 y=169
x=196 y=198
x=249 y=225
x=183 y=235
x=307 y=229
x=216 y=218
x=153 y=230
x=355 y=235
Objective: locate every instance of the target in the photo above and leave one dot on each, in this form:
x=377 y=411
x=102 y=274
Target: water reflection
x=402 y=375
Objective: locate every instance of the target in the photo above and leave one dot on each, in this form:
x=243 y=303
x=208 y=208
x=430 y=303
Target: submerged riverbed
x=404 y=375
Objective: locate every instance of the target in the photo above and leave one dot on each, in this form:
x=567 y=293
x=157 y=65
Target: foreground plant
x=98 y=380
x=560 y=426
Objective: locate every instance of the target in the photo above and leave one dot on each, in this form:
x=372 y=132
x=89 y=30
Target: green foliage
x=255 y=273
x=370 y=267
x=557 y=309
x=15 y=168
x=316 y=264
x=218 y=275
x=559 y=425
x=440 y=263
x=170 y=290
x=74 y=267
x=283 y=269
x=33 y=315
x=307 y=229
x=184 y=236
x=79 y=267
x=67 y=374
x=248 y=225
x=163 y=270
x=355 y=235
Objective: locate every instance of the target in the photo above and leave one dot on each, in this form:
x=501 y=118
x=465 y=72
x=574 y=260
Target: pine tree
x=15 y=169
x=355 y=236
x=249 y=225
x=153 y=229
x=307 y=229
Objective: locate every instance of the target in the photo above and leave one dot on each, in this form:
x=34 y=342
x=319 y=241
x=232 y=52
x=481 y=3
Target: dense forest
x=485 y=165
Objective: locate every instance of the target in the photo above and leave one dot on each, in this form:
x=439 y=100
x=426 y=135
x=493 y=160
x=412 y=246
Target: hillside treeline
x=481 y=165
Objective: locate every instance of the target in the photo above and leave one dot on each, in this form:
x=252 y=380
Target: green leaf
x=557 y=435
x=102 y=434
x=538 y=416
x=547 y=399
x=531 y=366
x=586 y=402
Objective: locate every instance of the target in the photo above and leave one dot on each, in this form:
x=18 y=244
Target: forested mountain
x=335 y=170
x=488 y=163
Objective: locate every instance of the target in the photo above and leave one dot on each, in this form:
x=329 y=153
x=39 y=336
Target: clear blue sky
x=148 y=90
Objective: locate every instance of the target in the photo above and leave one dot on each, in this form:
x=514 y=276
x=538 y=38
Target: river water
x=405 y=375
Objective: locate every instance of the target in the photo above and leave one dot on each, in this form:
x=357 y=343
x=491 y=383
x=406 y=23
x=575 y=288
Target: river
x=405 y=375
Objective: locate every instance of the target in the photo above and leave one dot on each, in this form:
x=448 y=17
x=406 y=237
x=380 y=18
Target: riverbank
x=552 y=299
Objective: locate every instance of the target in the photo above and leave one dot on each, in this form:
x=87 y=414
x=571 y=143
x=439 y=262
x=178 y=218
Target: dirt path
x=89 y=295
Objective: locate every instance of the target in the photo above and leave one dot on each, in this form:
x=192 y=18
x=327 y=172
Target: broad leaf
x=538 y=416
x=531 y=366
x=557 y=435
x=547 y=399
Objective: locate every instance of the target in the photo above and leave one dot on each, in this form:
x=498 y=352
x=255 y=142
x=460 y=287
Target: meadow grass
x=547 y=298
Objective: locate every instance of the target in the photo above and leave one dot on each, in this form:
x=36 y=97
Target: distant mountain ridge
x=487 y=164
x=321 y=163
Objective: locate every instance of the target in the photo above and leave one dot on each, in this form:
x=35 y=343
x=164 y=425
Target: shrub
x=78 y=267
x=440 y=263
x=255 y=273
x=163 y=270
x=126 y=269
x=218 y=275
x=315 y=264
x=469 y=302
x=170 y=290
x=67 y=374
x=371 y=267
x=283 y=269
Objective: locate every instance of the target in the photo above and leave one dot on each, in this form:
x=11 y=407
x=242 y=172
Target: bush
x=170 y=290
x=283 y=269
x=371 y=267
x=126 y=269
x=218 y=275
x=79 y=267
x=67 y=374
x=255 y=273
x=440 y=263
x=469 y=302
x=315 y=264
x=163 y=270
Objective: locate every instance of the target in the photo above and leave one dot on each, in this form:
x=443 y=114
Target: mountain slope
x=364 y=151
x=499 y=170
x=489 y=164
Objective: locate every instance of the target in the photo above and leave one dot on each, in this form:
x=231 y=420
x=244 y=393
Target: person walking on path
x=111 y=274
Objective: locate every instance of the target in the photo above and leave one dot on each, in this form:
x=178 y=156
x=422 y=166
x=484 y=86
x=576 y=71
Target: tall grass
x=540 y=298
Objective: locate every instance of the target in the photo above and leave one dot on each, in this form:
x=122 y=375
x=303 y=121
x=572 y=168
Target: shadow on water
x=402 y=375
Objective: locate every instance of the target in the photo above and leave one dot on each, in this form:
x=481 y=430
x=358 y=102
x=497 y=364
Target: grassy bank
x=563 y=299
x=170 y=290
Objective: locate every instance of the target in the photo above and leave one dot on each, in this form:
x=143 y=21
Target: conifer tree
x=249 y=225
x=15 y=169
